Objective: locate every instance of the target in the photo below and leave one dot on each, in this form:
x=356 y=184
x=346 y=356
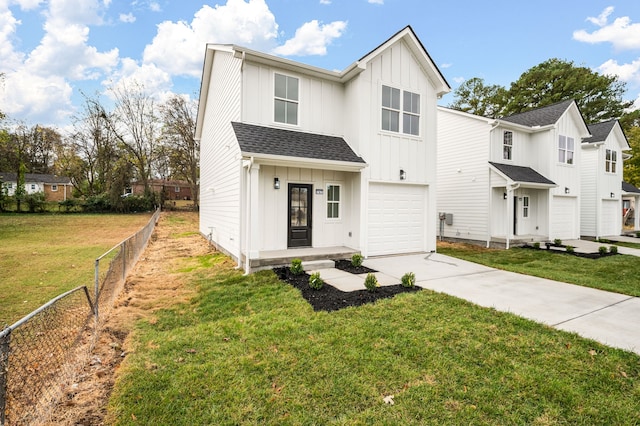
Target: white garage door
x=611 y=218
x=564 y=218
x=396 y=218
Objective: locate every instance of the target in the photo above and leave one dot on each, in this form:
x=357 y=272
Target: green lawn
x=44 y=255
x=620 y=273
x=250 y=350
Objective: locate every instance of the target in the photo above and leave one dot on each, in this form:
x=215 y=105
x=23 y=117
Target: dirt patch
x=153 y=284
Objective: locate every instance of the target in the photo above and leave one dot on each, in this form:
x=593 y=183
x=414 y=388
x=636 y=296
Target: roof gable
x=601 y=131
x=542 y=116
x=627 y=187
x=522 y=174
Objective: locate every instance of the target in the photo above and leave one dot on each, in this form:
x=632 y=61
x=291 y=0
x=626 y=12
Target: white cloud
x=446 y=65
x=178 y=47
x=127 y=18
x=8 y=26
x=312 y=39
x=621 y=33
x=325 y=1
x=376 y=1
x=625 y=72
x=155 y=7
x=154 y=80
x=459 y=80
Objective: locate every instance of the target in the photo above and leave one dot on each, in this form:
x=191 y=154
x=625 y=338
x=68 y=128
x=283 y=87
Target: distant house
x=513 y=179
x=601 y=204
x=294 y=156
x=630 y=204
x=172 y=189
x=55 y=188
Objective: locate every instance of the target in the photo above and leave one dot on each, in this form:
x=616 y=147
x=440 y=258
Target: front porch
x=516 y=240
x=271 y=258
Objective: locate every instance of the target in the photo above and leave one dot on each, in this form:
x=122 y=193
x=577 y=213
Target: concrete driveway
x=610 y=318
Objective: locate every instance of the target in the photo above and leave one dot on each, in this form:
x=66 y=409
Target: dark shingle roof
x=599 y=131
x=267 y=140
x=521 y=174
x=542 y=116
x=37 y=177
x=627 y=187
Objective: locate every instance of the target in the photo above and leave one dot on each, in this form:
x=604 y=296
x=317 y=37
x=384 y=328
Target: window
x=391 y=111
x=507 y=145
x=33 y=186
x=286 y=99
x=610 y=161
x=565 y=150
x=525 y=206
x=54 y=188
x=177 y=189
x=333 y=201
x=10 y=185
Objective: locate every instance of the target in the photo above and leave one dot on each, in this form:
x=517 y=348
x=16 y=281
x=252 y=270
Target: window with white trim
x=10 y=185
x=333 y=201
x=565 y=149
x=610 y=161
x=286 y=99
x=54 y=188
x=33 y=186
x=507 y=145
x=391 y=111
x=177 y=189
x=525 y=206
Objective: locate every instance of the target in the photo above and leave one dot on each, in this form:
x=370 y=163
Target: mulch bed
x=329 y=298
x=345 y=265
x=575 y=253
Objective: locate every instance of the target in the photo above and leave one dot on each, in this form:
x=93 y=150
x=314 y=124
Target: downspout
x=495 y=126
x=247 y=263
x=239 y=266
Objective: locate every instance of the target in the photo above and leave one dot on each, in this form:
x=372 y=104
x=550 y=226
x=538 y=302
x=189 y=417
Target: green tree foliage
x=632 y=165
x=475 y=97
x=598 y=96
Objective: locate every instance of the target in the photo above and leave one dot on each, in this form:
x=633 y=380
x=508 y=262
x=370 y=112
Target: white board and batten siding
x=588 y=192
x=463 y=173
x=220 y=169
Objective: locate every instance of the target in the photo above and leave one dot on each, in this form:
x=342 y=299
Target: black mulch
x=345 y=265
x=575 y=253
x=329 y=298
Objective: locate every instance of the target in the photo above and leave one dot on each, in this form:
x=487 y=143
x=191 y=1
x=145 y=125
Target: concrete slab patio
x=609 y=318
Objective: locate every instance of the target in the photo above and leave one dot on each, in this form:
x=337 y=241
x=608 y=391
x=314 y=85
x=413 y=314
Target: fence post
x=124 y=260
x=97 y=289
x=4 y=371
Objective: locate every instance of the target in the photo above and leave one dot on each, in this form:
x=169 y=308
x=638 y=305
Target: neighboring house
x=601 y=168
x=172 y=189
x=513 y=179
x=630 y=203
x=297 y=156
x=55 y=188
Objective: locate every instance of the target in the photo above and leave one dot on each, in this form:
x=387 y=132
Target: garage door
x=611 y=218
x=396 y=218
x=564 y=218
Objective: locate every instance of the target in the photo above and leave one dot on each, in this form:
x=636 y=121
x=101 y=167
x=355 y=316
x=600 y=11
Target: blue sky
x=52 y=50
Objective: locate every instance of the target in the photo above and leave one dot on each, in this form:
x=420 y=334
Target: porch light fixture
x=403 y=174
x=276 y=183
x=613 y=195
x=566 y=190
x=504 y=195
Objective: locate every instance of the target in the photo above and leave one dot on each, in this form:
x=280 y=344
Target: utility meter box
x=448 y=218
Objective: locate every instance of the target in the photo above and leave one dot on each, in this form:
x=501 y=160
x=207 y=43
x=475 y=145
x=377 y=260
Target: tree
x=474 y=97
x=598 y=96
x=181 y=148
x=632 y=165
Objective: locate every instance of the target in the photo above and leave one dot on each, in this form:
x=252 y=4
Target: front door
x=299 y=215
x=515 y=215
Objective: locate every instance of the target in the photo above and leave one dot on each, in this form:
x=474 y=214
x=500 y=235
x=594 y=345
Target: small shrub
x=536 y=245
x=557 y=242
x=613 y=249
x=315 y=282
x=638 y=234
x=356 y=260
x=602 y=250
x=296 y=267
x=408 y=279
x=569 y=249
x=371 y=282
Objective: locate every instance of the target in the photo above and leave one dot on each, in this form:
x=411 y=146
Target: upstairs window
x=565 y=149
x=611 y=160
x=333 y=201
x=507 y=145
x=286 y=99
x=391 y=111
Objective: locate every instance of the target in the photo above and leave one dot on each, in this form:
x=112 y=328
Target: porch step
x=312 y=265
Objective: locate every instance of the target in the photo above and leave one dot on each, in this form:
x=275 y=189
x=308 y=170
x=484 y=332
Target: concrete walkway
x=610 y=318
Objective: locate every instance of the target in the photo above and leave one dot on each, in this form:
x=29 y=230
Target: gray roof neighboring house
x=627 y=187
x=542 y=116
x=599 y=131
x=37 y=178
x=522 y=174
x=289 y=143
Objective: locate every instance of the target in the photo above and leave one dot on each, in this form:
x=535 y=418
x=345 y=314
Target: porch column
x=255 y=232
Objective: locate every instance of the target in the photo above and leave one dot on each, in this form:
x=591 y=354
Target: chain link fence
x=41 y=354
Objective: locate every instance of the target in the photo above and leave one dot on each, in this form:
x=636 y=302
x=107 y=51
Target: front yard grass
x=250 y=350
x=617 y=273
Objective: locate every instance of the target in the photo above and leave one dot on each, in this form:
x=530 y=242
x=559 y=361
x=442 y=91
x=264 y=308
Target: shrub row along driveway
x=609 y=318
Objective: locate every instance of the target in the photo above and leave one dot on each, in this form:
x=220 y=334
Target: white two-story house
x=513 y=179
x=602 y=162
x=296 y=157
